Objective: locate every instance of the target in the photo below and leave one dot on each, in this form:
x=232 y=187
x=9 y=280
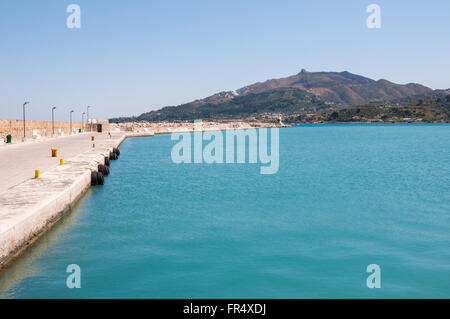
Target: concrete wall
x=42 y=128
x=40 y=217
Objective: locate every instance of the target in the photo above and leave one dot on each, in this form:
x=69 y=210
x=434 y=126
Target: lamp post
x=87 y=118
x=82 y=120
x=71 y=121
x=53 y=120
x=24 y=135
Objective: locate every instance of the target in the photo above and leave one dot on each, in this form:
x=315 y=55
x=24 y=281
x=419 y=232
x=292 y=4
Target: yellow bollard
x=92 y=138
x=37 y=174
x=54 y=152
x=61 y=161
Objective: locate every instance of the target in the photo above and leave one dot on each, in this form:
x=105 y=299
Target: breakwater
x=29 y=208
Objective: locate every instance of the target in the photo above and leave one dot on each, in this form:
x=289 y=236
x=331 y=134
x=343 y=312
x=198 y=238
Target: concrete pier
x=18 y=161
x=28 y=206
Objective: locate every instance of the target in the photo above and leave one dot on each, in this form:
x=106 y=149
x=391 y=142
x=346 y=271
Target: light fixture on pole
x=24 y=135
x=87 y=118
x=53 y=119
x=82 y=120
x=71 y=121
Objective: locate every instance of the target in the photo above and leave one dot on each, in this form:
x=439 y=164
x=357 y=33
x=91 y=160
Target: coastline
x=363 y=123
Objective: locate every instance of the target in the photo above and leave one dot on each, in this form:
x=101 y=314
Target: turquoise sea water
x=345 y=196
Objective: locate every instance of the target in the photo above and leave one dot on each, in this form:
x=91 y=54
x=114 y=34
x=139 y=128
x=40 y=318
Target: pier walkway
x=19 y=161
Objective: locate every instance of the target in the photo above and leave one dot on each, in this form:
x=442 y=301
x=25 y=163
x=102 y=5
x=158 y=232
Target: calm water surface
x=345 y=196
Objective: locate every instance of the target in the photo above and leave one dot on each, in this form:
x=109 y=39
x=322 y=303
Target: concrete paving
x=19 y=161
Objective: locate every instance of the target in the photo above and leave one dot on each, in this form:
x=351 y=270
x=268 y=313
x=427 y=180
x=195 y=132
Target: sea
x=345 y=197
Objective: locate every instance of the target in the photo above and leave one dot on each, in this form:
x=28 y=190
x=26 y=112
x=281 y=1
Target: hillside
x=424 y=110
x=284 y=100
x=341 y=89
x=304 y=92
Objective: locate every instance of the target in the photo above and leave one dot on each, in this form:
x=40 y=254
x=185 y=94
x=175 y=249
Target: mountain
x=301 y=93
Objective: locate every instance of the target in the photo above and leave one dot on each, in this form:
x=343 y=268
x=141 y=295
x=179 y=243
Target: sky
x=130 y=57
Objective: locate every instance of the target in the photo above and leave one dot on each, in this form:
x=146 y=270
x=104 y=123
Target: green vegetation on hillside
x=284 y=100
x=423 y=110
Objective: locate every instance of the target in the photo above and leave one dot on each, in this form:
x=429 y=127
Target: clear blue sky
x=134 y=56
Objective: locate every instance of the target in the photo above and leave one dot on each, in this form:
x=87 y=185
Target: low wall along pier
x=42 y=129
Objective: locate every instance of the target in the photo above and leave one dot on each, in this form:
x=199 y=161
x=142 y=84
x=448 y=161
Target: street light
x=53 y=120
x=82 y=120
x=24 y=118
x=87 y=118
x=71 y=121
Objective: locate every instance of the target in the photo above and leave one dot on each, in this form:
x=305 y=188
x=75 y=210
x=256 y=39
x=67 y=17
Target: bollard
x=61 y=161
x=92 y=138
x=54 y=152
x=37 y=174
